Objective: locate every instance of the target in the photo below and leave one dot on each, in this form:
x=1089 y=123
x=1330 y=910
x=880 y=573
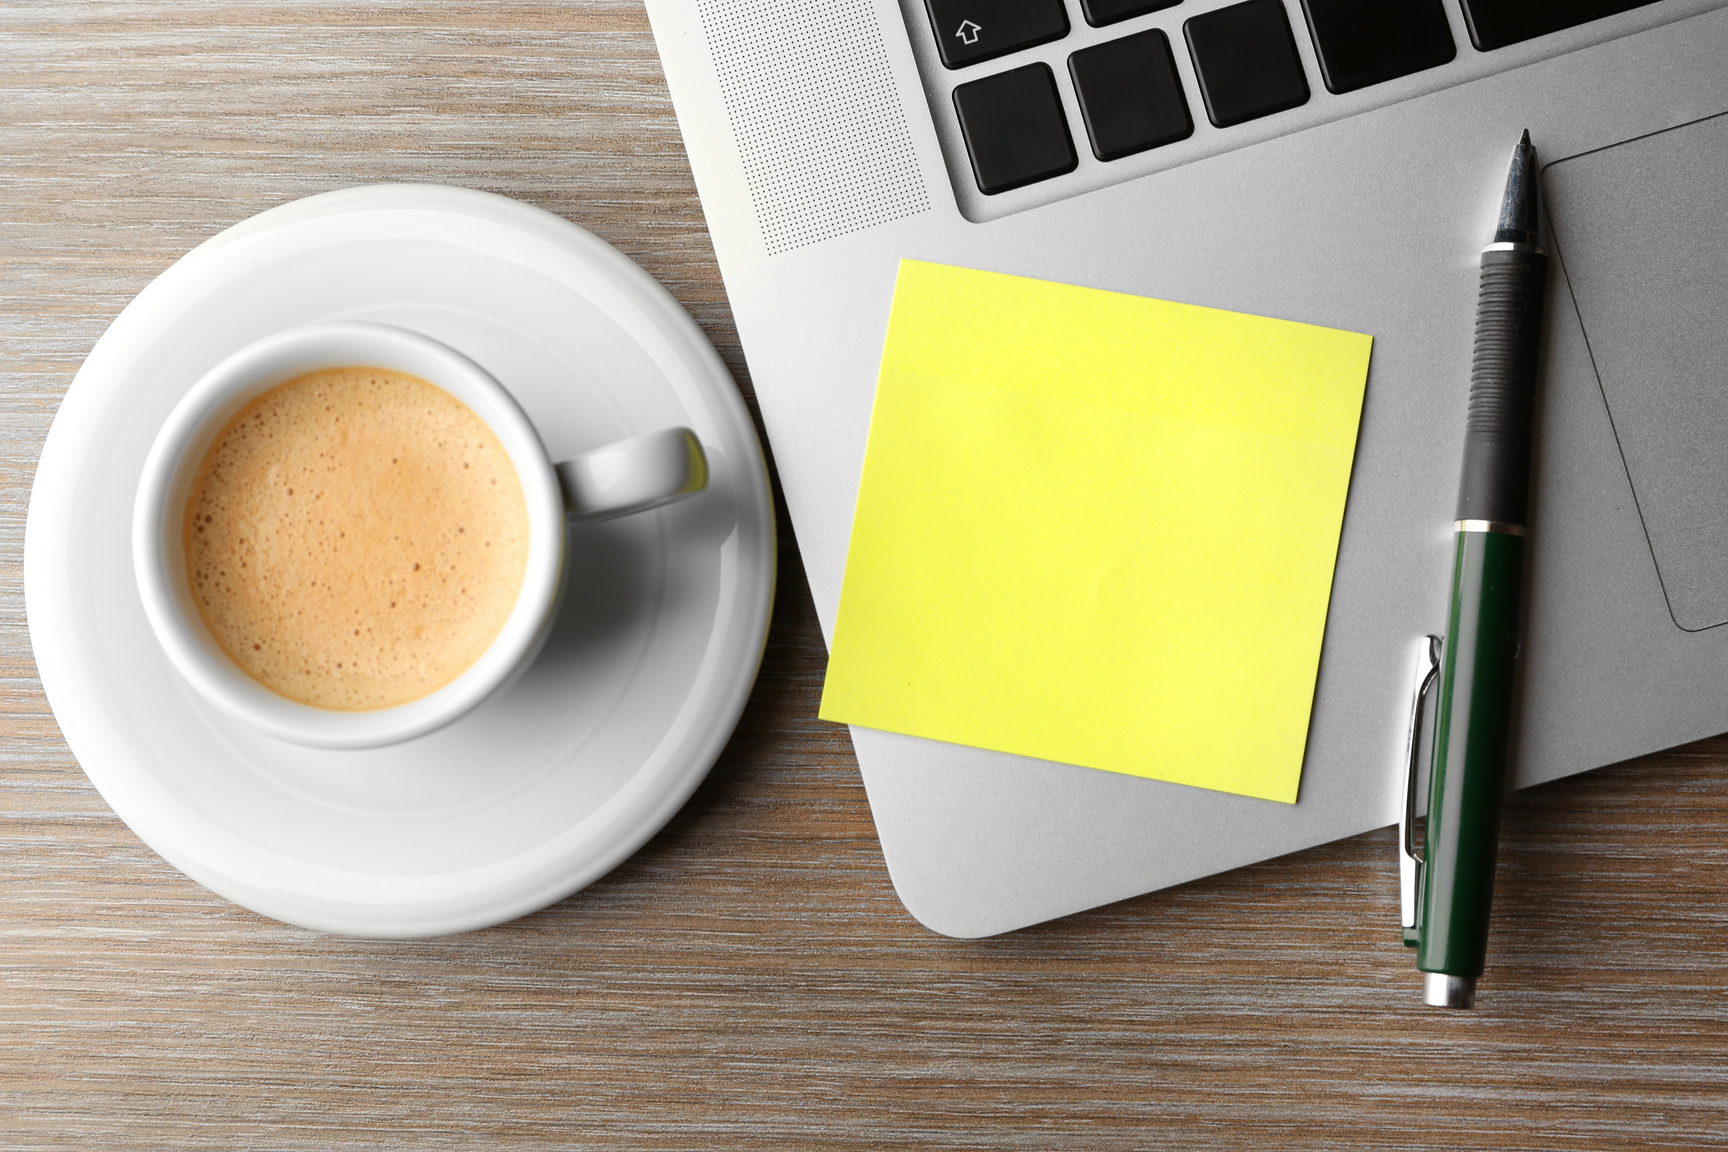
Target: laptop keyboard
x=1131 y=92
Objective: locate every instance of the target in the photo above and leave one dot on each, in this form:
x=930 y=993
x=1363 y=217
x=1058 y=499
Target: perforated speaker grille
x=816 y=117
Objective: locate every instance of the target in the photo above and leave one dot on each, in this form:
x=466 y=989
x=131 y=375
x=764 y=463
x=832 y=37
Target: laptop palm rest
x=1642 y=231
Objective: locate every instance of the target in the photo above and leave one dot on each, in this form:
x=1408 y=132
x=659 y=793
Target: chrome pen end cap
x=1442 y=991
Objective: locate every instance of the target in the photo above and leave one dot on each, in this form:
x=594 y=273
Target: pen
x=1473 y=722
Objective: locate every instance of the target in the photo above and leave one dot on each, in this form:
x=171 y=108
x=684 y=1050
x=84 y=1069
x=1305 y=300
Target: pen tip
x=1517 y=224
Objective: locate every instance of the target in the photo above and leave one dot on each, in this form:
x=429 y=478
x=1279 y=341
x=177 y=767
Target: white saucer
x=545 y=787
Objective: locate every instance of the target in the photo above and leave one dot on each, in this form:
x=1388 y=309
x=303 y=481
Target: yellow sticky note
x=1097 y=528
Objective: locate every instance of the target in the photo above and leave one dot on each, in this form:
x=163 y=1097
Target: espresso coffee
x=356 y=538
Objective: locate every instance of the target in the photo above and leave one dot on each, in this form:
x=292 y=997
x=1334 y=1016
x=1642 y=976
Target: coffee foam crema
x=356 y=538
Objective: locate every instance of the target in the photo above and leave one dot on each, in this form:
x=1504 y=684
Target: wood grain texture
x=748 y=980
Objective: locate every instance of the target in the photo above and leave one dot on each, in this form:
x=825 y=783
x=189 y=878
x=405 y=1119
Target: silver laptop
x=1336 y=162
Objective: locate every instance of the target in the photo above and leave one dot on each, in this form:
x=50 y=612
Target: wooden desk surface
x=748 y=980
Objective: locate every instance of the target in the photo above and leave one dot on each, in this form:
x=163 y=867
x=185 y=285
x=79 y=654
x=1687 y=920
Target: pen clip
x=1427 y=670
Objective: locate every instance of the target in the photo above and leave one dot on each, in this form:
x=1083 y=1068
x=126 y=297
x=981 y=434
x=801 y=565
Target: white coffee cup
x=629 y=476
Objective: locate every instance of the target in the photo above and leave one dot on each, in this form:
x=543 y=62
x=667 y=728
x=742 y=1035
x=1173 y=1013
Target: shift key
x=968 y=31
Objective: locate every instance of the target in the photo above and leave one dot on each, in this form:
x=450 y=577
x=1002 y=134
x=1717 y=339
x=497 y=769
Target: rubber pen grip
x=1495 y=483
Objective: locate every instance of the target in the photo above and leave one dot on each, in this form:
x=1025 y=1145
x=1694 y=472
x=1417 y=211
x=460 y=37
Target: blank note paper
x=1098 y=529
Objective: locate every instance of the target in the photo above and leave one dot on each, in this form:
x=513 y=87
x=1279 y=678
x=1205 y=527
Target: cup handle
x=633 y=475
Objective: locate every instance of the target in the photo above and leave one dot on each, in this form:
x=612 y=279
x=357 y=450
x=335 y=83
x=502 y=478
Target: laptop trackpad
x=1642 y=229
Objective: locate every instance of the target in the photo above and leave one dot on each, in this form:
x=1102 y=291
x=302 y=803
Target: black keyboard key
x=1130 y=95
x=968 y=31
x=1102 y=12
x=1245 y=59
x=1363 y=42
x=1497 y=23
x=1014 y=128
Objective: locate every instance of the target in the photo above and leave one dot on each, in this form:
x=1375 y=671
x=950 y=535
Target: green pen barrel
x=1472 y=737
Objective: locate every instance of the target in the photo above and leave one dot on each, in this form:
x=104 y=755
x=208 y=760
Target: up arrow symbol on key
x=968 y=32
